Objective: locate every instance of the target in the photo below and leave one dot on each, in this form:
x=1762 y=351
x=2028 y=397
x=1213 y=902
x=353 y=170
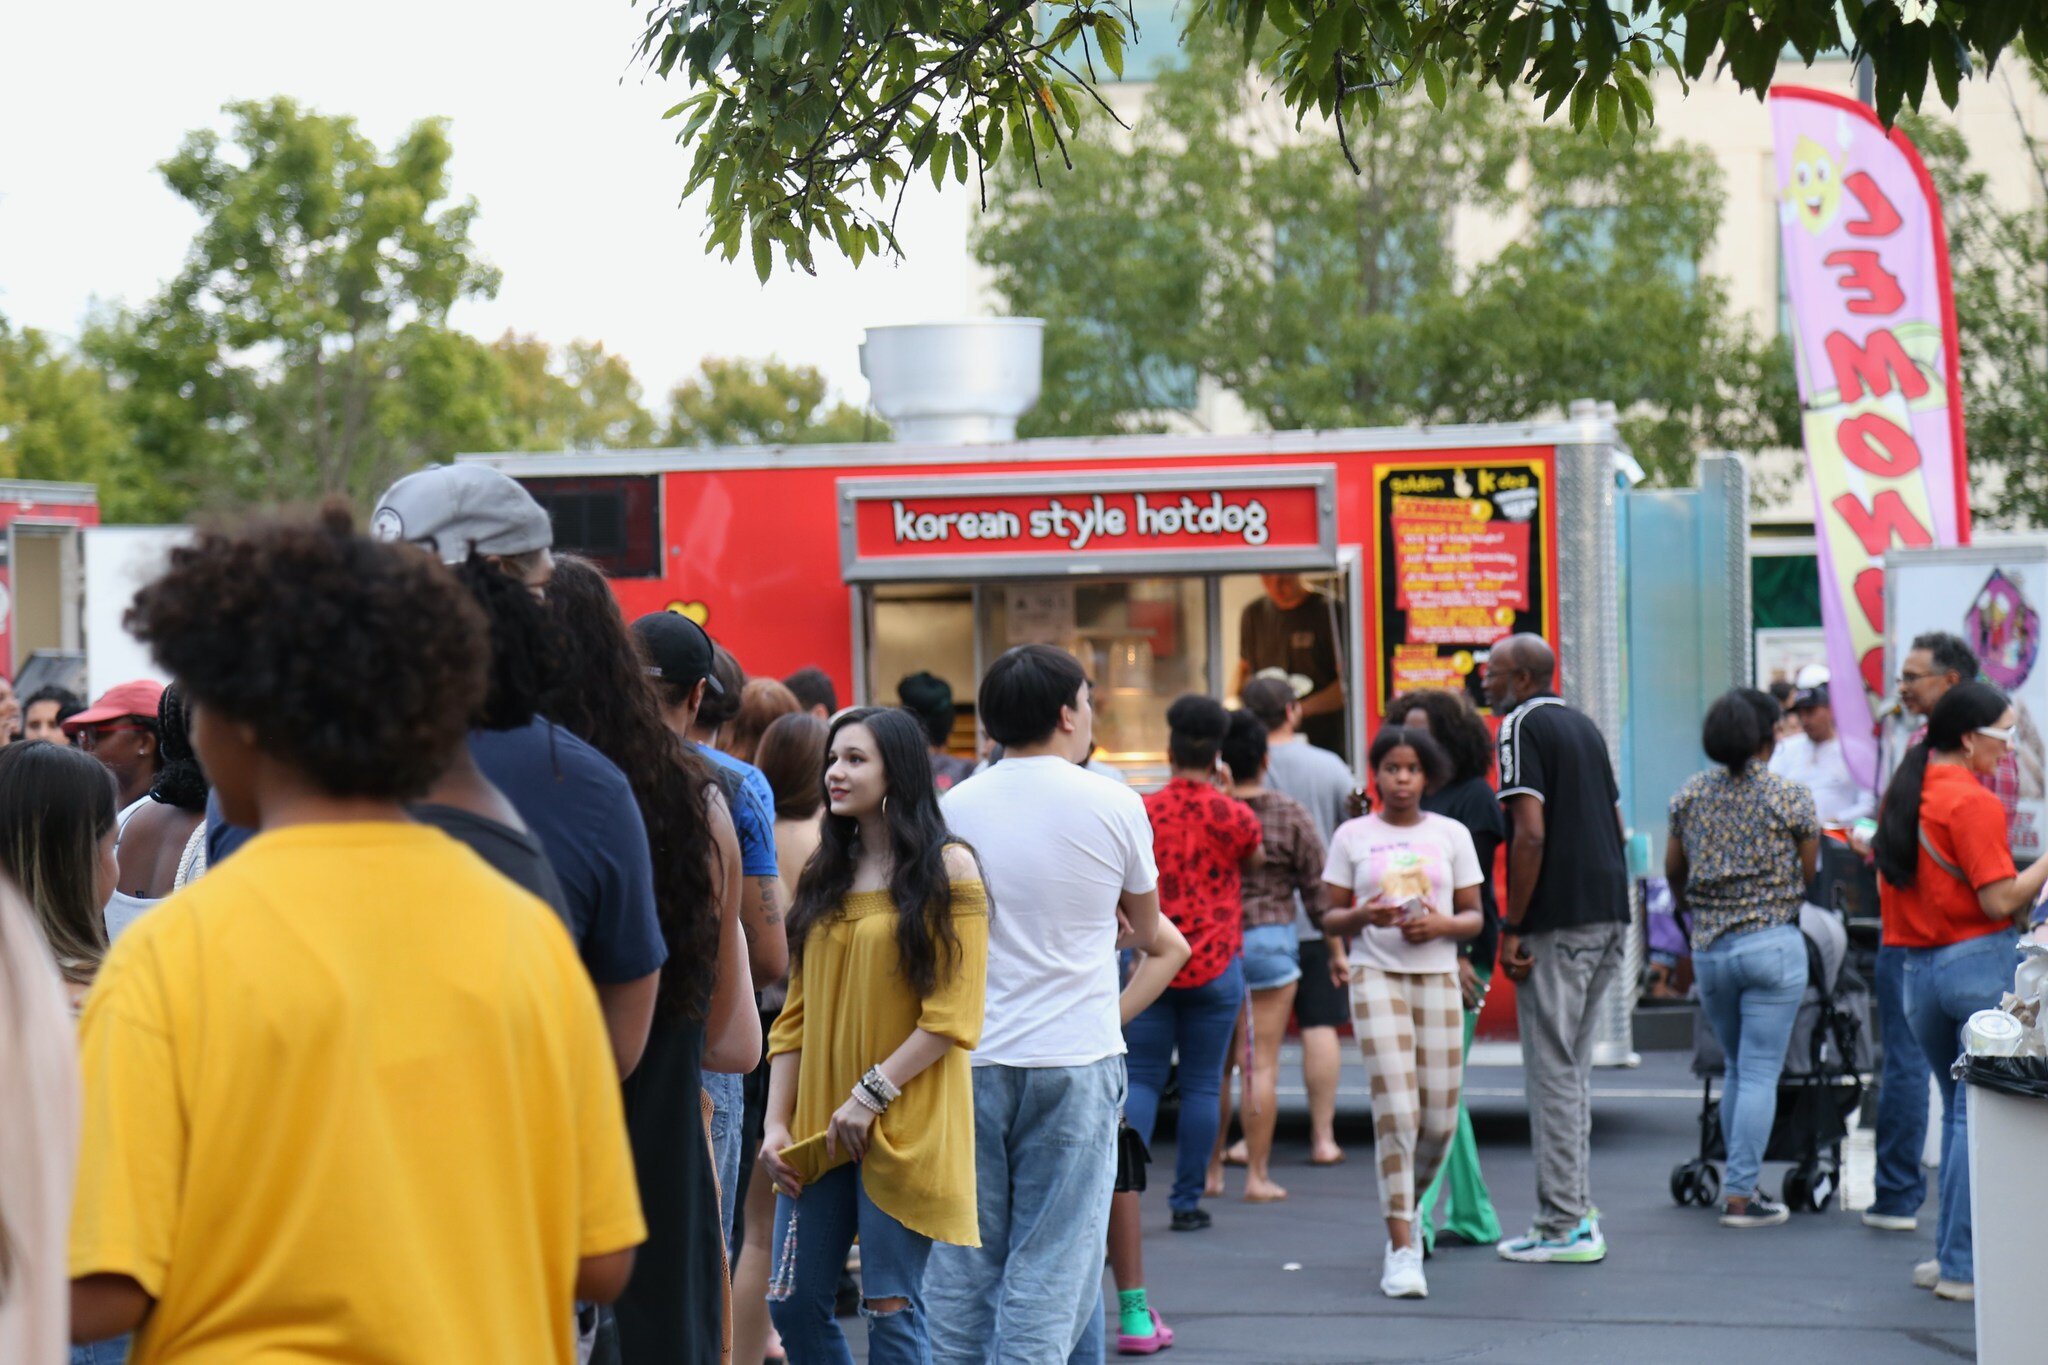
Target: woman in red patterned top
x=1200 y=839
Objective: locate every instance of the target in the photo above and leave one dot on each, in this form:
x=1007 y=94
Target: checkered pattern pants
x=1410 y=1027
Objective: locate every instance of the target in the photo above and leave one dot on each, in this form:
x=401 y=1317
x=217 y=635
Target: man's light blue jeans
x=1044 y=1169
x=1944 y=987
x=1750 y=985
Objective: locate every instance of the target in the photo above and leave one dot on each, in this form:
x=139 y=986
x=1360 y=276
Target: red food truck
x=1140 y=554
x=1154 y=559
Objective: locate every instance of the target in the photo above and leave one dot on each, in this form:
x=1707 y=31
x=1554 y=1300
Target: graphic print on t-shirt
x=1381 y=862
x=1406 y=872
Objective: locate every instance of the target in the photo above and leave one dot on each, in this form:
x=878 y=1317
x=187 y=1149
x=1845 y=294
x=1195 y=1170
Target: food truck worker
x=1292 y=632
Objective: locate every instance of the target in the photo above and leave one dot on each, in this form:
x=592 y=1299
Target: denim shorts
x=1272 y=956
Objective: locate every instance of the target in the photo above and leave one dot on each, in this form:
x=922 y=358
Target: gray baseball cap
x=456 y=510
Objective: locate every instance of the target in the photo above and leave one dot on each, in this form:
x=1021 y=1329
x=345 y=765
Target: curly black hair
x=608 y=701
x=357 y=662
x=1453 y=724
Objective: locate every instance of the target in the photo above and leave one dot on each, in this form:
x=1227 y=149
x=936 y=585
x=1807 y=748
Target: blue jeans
x=1901 y=1096
x=1199 y=1022
x=892 y=1265
x=1093 y=1347
x=1750 y=986
x=1044 y=1169
x=728 y=1102
x=110 y=1352
x=1945 y=986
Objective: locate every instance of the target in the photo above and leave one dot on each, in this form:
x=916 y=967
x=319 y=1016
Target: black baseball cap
x=1808 y=697
x=677 y=649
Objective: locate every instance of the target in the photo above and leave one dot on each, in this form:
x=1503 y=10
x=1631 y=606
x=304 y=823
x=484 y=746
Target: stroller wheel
x=1707 y=1192
x=1811 y=1186
x=1822 y=1186
x=1798 y=1188
x=1683 y=1179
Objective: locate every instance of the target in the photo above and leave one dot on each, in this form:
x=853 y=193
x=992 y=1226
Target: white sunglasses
x=2002 y=736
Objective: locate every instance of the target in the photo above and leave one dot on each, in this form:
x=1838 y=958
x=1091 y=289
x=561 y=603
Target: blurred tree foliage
x=1475 y=267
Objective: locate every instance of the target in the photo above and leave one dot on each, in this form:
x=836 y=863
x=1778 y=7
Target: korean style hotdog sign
x=1066 y=522
x=1463 y=560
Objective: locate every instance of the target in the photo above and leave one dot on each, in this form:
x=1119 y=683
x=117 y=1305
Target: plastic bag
x=2023 y=1076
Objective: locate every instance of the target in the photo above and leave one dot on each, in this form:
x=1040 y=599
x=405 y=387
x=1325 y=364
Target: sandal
x=1161 y=1338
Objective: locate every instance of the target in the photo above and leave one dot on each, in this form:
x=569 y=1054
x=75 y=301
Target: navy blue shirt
x=580 y=807
x=222 y=838
x=753 y=809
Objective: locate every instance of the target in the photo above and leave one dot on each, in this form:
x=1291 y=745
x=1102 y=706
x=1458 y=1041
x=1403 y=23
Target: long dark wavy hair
x=1962 y=709
x=926 y=946
x=604 y=697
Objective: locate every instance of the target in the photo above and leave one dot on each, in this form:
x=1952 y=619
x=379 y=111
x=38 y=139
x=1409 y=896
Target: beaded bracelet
x=881 y=1086
x=867 y=1101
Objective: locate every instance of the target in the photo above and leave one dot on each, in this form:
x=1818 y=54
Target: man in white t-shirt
x=1813 y=758
x=1064 y=855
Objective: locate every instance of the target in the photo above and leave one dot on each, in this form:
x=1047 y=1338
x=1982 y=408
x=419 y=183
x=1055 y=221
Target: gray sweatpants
x=1556 y=1009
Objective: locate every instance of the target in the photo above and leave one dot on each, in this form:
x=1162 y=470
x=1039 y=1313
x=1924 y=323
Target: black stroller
x=1821 y=1086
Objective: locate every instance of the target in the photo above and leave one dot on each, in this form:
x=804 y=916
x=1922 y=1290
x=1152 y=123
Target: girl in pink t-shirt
x=1406 y=883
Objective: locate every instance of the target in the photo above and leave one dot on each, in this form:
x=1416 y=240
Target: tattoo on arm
x=771 y=900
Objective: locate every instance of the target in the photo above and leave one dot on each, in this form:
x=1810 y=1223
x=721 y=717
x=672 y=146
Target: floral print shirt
x=1741 y=838
x=1199 y=837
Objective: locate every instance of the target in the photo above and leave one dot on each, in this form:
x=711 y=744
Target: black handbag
x=1131 y=1160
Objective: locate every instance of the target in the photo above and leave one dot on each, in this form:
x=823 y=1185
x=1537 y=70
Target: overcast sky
x=575 y=172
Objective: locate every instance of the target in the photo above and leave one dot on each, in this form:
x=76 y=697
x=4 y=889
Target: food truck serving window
x=609 y=521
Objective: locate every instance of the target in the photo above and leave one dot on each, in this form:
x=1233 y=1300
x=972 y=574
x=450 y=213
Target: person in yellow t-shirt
x=889 y=966
x=349 y=1096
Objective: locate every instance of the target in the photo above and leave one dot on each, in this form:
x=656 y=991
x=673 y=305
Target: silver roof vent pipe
x=955 y=382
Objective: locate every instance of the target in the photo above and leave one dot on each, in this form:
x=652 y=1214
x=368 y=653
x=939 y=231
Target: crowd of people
x=559 y=992
x=1745 y=846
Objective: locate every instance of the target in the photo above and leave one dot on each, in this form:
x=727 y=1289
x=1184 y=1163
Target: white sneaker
x=1927 y=1274
x=1890 y=1222
x=1956 y=1291
x=1401 y=1278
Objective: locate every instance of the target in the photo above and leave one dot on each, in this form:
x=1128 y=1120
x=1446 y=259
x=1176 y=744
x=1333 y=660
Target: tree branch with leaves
x=807 y=118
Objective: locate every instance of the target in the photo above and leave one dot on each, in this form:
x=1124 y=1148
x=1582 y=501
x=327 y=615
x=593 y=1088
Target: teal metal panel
x=1686 y=606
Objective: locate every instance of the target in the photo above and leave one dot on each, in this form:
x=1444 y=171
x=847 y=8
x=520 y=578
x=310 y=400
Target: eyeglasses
x=91 y=735
x=1908 y=678
x=2002 y=736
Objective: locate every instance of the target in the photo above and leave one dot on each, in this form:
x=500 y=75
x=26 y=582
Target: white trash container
x=2008 y=1192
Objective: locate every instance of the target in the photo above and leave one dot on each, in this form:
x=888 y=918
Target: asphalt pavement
x=1298 y=1282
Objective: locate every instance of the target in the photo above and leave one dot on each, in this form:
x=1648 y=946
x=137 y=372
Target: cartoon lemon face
x=1815 y=190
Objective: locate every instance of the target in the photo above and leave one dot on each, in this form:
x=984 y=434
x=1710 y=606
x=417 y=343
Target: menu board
x=1463 y=561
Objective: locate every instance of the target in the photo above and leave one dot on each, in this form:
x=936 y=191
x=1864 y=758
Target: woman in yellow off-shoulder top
x=870 y=1127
